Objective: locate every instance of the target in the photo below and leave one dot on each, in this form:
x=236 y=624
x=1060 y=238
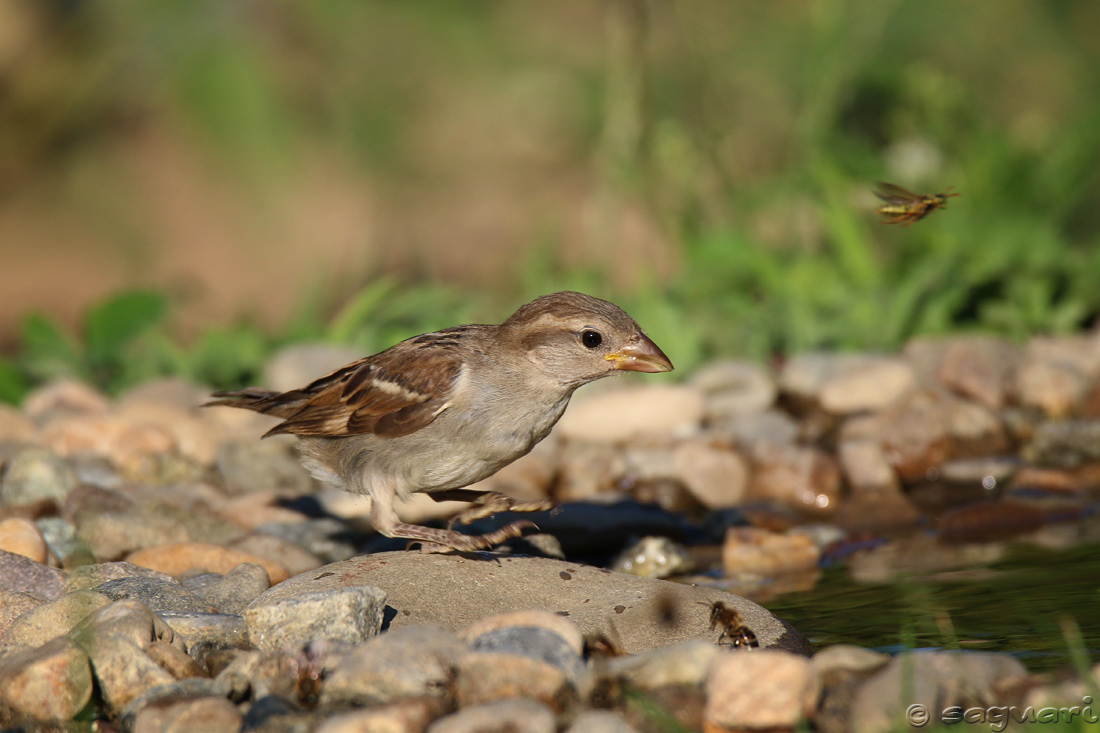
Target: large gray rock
x=456 y=590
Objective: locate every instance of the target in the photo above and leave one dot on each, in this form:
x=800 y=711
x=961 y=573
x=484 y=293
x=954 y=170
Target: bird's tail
x=257 y=399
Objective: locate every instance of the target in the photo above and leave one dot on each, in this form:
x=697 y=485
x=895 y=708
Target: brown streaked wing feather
x=390 y=394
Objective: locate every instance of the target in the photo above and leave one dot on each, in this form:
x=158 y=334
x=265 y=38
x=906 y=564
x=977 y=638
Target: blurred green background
x=187 y=184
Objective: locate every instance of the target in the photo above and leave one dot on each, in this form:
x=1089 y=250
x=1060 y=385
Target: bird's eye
x=591 y=339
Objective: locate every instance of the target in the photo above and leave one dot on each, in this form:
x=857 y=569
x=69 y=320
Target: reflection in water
x=1015 y=605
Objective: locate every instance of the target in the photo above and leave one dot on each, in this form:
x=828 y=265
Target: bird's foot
x=447 y=540
x=491 y=502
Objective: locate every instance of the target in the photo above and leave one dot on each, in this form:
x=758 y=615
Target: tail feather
x=257 y=399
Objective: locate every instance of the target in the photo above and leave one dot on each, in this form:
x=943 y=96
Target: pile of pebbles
x=161 y=568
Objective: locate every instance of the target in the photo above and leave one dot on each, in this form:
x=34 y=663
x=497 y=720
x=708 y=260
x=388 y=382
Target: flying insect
x=905 y=207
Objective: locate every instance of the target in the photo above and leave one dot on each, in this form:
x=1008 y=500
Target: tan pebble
x=22 y=537
x=80 y=434
x=64 y=396
x=15 y=427
x=179 y=558
x=140 y=439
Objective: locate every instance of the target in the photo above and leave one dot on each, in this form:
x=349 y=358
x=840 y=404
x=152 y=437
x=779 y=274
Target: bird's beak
x=640 y=356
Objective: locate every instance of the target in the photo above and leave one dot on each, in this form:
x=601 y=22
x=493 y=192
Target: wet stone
x=35 y=474
x=771 y=427
x=806 y=479
x=159 y=595
x=414 y=661
x=752 y=551
x=52 y=682
x=654 y=557
x=352 y=614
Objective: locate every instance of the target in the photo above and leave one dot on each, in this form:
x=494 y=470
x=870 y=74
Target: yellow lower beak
x=642 y=356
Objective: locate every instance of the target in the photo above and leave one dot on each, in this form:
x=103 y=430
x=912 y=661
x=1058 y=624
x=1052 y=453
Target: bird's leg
x=488 y=503
x=385 y=521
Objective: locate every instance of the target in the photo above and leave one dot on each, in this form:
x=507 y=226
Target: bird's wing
x=390 y=394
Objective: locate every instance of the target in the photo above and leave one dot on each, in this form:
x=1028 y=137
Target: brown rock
x=190 y=715
x=866 y=468
x=914 y=435
x=123 y=670
x=804 y=478
x=748 y=550
x=19 y=574
x=180 y=558
x=23 y=537
x=1058 y=388
x=54 y=619
x=485 y=677
x=14 y=605
x=783 y=691
x=64 y=397
x=112 y=535
x=868 y=384
x=715 y=475
x=980 y=368
x=173 y=660
x=51 y=682
x=514 y=716
x=404 y=716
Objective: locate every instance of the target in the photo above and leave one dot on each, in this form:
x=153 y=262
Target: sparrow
x=438 y=412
